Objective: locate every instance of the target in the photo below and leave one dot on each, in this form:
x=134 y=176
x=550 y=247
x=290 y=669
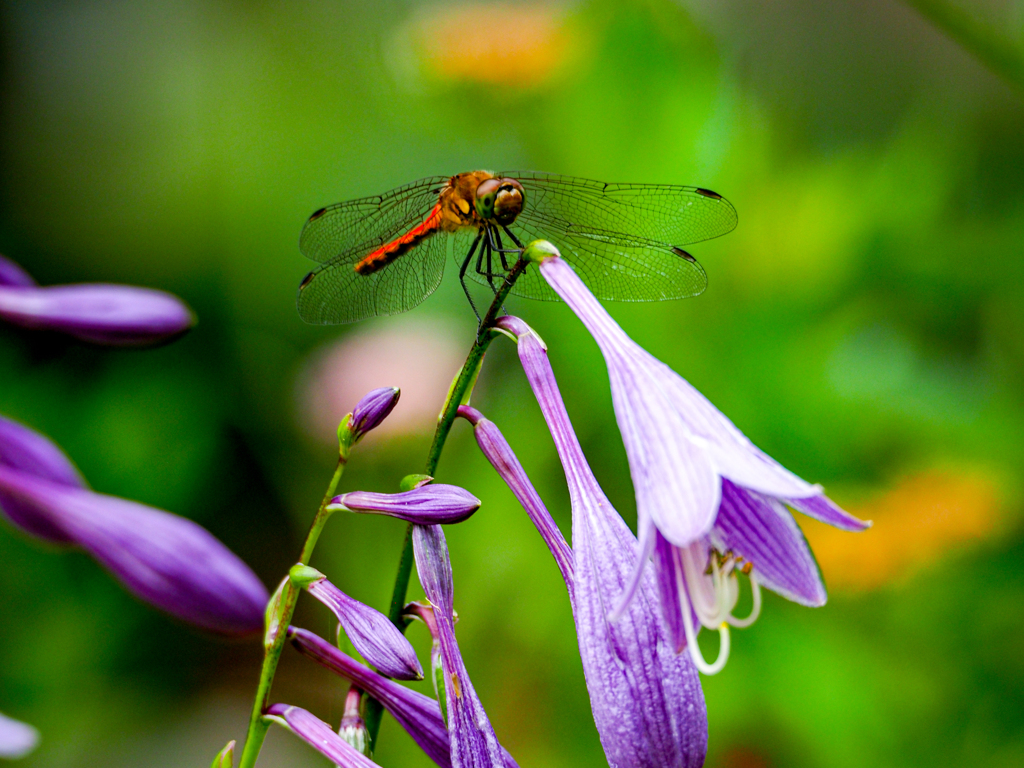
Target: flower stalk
x=457 y=395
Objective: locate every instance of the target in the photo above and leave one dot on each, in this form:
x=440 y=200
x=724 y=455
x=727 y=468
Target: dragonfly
x=385 y=254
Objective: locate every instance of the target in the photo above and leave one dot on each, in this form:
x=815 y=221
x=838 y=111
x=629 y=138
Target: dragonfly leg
x=489 y=274
x=514 y=238
x=462 y=273
x=501 y=251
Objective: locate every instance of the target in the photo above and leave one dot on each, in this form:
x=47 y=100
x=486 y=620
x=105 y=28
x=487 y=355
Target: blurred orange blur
x=509 y=44
x=923 y=517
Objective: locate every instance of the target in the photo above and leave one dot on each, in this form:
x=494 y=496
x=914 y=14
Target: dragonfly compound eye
x=486 y=192
x=508 y=202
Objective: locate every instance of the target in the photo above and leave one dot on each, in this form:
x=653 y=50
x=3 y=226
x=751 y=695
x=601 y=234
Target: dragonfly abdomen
x=388 y=252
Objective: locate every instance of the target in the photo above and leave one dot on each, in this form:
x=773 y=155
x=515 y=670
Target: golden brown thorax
x=458 y=200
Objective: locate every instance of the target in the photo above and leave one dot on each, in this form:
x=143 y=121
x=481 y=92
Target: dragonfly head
x=500 y=200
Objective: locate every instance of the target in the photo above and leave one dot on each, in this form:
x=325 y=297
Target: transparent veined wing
x=357 y=227
x=335 y=293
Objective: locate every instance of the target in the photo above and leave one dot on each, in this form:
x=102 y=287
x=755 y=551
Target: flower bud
x=353 y=728
x=367 y=415
x=432 y=504
x=226 y=757
x=539 y=251
x=371 y=632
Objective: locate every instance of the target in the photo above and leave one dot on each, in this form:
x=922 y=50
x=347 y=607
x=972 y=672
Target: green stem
x=258 y=726
x=463 y=384
x=994 y=50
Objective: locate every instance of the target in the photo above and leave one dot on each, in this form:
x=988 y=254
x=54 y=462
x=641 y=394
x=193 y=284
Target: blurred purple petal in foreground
x=164 y=559
x=120 y=315
x=432 y=504
x=17 y=739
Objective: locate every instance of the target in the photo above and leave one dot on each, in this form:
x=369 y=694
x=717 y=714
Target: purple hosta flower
x=709 y=502
x=647 y=701
x=419 y=715
x=121 y=315
x=432 y=504
x=370 y=631
x=318 y=734
x=164 y=559
x=371 y=411
x=17 y=739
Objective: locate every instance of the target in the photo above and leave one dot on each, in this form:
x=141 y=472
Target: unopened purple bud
x=371 y=632
x=371 y=411
x=319 y=736
x=26 y=451
x=226 y=757
x=434 y=504
x=164 y=559
x=17 y=739
x=118 y=315
x=353 y=727
x=12 y=274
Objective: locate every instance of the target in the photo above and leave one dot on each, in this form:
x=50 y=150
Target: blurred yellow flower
x=915 y=523
x=507 y=44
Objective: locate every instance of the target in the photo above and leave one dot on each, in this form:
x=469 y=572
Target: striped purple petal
x=371 y=632
x=432 y=504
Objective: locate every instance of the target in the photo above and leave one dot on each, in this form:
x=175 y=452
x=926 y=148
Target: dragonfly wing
x=335 y=293
x=665 y=213
x=357 y=227
x=615 y=267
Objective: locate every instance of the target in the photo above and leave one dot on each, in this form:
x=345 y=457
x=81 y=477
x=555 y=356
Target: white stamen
x=755 y=588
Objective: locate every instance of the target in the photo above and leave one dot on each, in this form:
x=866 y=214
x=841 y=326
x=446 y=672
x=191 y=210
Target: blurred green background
x=864 y=325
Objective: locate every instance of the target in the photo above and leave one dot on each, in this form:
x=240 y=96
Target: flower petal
x=762 y=531
x=12 y=274
x=27 y=451
x=164 y=559
x=371 y=632
x=822 y=508
x=319 y=735
x=100 y=313
x=17 y=739
x=433 y=504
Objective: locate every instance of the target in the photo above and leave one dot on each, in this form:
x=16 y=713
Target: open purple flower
x=17 y=739
x=647 y=701
x=370 y=631
x=103 y=314
x=164 y=559
x=473 y=742
x=431 y=504
x=709 y=502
